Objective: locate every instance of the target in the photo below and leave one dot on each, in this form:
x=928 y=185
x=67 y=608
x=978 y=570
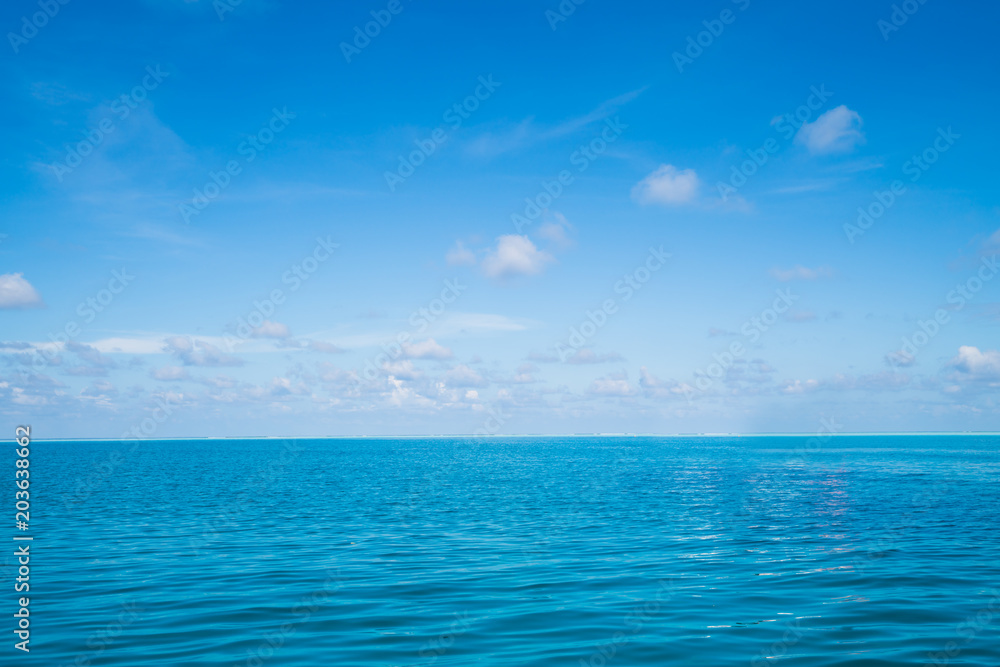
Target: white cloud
x=556 y=230
x=170 y=373
x=882 y=381
x=321 y=346
x=459 y=255
x=402 y=370
x=271 y=329
x=198 y=352
x=800 y=273
x=426 y=349
x=667 y=185
x=615 y=384
x=525 y=374
x=100 y=392
x=16 y=292
x=836 y=131
x=976 y=363
x=463 y=376
x=94 y=363
x=515 y=256
x=654 y=387
x=800 y=387
x=587 y=356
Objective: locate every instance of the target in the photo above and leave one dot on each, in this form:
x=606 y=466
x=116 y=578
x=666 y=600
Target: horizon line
x=539 y=435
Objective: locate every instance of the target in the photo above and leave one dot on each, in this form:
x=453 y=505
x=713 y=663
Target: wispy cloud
x=667 y=185
x=194 y=352
x=800 y=272
x=836 y=131
x=527 y=133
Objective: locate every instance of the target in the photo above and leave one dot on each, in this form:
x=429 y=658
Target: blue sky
x=509 y=218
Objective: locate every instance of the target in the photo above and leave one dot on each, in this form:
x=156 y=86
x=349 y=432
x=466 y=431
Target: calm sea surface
x=856 y=550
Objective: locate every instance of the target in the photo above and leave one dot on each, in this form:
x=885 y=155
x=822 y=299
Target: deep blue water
x=859 y=550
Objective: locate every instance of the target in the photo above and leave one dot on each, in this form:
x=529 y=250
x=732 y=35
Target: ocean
x=576 y=551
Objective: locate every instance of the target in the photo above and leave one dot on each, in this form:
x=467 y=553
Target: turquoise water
x=874 y=550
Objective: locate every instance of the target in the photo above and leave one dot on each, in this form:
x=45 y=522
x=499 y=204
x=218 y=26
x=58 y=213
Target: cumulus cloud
x=800 y=273
x=170 y=373
x=402 y=370
x=587 y=356
x=836 y=131
x=198 y=353
x=426 y=349
x=94 y=363
x=100 y=393
x=99 y=389
x=884 y=381
x=283 y=386
x=653 y=387
x=667 y=185
x=459 y=255
x=615 y=384
x=271 y=329
x=800 y=386
x=525 y=374
x=977 y=364
x=16 y=292
x=463 y=376
x=515 y=255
